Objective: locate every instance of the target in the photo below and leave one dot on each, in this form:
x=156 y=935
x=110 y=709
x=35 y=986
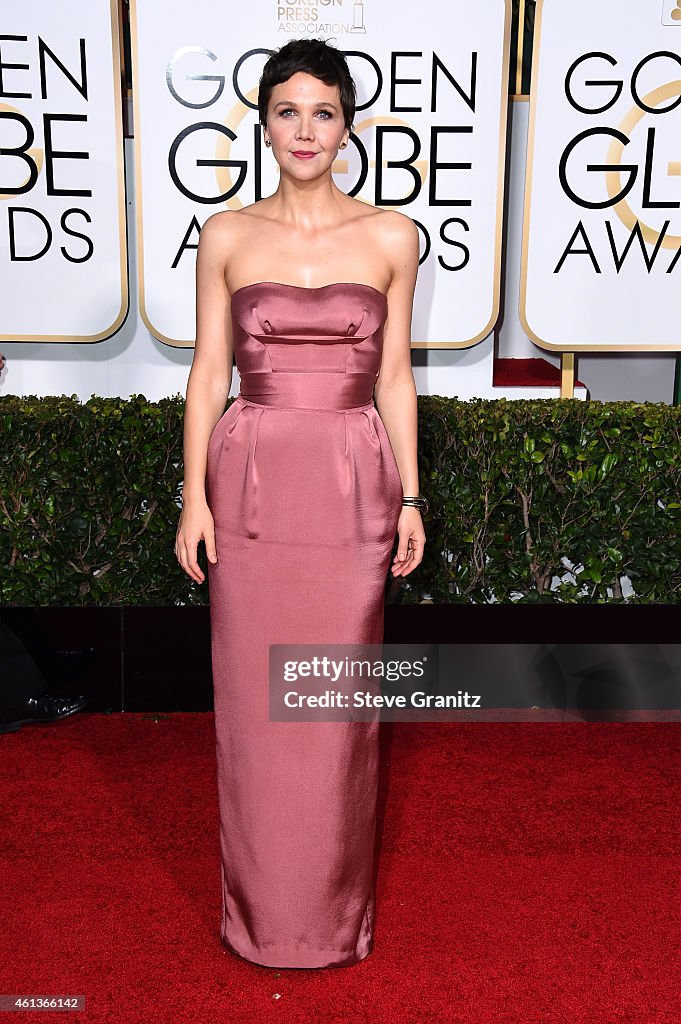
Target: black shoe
x=42 y=708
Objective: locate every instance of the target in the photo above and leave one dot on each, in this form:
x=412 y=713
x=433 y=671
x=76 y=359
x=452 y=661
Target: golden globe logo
x=620 y=176
x=415 y=154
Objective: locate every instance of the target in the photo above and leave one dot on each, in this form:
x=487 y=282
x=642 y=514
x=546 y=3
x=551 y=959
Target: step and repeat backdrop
x=602 y=193
x=602 y=227
x=63 y=256
x=429 y=139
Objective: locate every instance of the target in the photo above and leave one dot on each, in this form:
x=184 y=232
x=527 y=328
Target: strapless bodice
x=298 y=347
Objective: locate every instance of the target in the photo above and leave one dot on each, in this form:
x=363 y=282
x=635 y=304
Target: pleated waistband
x=334 y=391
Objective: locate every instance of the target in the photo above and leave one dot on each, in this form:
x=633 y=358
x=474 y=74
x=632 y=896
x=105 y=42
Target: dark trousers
x=20 y=676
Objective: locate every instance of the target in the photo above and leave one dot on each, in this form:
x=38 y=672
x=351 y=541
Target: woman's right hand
x=196 y=523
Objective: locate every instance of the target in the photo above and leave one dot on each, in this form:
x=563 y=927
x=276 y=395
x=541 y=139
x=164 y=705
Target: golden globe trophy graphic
x=657 y=237
x=358 y=17
x=671 y=12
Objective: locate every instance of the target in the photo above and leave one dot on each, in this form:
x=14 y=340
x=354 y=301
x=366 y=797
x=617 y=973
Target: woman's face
x=305 y=115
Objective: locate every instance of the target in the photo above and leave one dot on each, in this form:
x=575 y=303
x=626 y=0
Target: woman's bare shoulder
x=390 y=224
x=223 y=232
x=245 y=217
x=396 y=236
x=396 y=226
x=226 y=223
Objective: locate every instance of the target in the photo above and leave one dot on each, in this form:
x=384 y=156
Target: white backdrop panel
x=432 y=90
x=63 y=255
x=599 y=266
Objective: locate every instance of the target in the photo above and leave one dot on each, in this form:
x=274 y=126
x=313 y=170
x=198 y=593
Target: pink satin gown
x=305 y=494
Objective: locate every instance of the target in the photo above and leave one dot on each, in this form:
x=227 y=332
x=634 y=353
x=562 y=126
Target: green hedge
x=519 y=491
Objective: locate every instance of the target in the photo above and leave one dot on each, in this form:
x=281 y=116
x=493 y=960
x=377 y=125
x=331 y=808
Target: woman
x=297 y=491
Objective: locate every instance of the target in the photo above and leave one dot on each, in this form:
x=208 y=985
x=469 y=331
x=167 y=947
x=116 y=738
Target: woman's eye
x=290 y=110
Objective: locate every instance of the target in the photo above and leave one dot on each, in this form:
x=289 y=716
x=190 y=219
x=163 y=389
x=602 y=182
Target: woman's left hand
x=412 y=541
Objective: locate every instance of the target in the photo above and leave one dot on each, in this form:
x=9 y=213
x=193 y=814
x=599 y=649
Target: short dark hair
x=315 y=57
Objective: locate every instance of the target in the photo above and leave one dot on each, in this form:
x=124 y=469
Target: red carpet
x=529 y=874
x=527 y=373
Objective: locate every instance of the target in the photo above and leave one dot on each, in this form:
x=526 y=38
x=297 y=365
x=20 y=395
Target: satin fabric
x=305 y=495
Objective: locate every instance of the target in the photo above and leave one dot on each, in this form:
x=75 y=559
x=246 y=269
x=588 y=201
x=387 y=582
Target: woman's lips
x=302 y=155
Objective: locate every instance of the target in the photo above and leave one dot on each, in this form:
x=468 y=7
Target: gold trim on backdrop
x=567 y=375
x=498 y=241
x=522 y=304
x=122 y=314
x=139 y=192
x=139 y=189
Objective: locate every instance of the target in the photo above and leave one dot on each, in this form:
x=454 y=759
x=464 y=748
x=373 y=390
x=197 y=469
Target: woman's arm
x=210 y=377
x=395 y=390
x=210 y=380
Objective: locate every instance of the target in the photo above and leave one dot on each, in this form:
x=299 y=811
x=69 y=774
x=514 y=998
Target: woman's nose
x=305 y=128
